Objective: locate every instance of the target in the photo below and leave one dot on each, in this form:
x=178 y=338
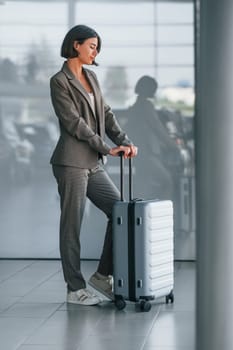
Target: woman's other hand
x=133 y=151
x=129 y=151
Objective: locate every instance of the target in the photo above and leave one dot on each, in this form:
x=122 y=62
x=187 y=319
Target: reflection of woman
x=153 y=179
x=84 y=119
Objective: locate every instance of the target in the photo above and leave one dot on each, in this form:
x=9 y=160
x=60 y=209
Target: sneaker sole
x=77 y=303
x=101 y=291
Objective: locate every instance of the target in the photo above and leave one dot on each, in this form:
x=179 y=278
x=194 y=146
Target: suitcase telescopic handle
x=122 y=173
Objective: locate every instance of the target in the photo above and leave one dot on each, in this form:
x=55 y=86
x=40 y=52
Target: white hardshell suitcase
x=143 y=249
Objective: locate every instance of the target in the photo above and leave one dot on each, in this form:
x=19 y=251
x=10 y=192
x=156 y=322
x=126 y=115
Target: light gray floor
x=34 y=316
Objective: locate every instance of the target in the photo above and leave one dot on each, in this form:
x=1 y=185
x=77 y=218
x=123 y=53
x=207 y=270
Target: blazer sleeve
x=70 y=118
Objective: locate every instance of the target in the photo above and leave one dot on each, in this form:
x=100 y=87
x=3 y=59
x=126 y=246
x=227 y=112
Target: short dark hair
x=146 y=86
x=79 y=33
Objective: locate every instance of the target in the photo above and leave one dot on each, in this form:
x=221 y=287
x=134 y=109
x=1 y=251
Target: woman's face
x=87 y=50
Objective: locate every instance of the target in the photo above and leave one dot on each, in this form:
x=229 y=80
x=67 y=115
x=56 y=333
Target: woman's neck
x=75 y=67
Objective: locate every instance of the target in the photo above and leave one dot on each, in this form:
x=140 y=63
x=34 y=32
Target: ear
x=76 y=45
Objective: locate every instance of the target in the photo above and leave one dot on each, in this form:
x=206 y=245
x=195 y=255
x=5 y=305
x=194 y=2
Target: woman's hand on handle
x=133 y=151
x=129 y=151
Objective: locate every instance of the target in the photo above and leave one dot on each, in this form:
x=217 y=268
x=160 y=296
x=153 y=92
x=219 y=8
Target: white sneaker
x=83 y=297
x=104 y=284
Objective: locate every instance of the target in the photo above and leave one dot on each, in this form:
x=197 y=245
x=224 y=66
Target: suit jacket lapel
x=96 y=92
x=74 y=82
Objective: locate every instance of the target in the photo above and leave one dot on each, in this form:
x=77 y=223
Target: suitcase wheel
x=170 y=297
x=145 y=305
x=120 y=303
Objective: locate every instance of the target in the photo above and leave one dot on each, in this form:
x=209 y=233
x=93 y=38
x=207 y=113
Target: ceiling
x=72 y=1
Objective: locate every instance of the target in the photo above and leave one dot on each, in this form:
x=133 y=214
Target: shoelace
x=89 y=293
x=86 y=294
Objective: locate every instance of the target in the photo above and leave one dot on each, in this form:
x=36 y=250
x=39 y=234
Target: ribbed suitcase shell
x=150 y=270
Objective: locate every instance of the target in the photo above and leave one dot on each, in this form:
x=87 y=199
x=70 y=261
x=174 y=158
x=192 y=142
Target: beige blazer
x=82 y=129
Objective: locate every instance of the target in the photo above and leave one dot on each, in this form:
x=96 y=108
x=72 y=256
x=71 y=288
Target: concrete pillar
x=214 y=167
x=71 y=13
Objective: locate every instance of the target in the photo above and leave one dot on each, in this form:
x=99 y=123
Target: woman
x=84 y=118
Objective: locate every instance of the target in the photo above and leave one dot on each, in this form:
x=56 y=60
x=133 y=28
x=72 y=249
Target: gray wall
x=214 y=176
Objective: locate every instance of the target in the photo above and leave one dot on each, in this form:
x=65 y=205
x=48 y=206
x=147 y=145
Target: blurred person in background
x=154 y=177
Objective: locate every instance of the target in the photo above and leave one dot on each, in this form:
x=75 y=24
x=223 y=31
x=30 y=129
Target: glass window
x=159 y=44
